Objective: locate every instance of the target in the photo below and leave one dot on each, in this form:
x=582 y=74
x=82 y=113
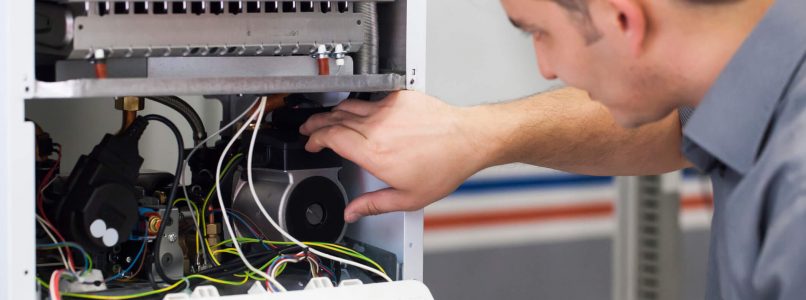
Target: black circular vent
x=315 y=211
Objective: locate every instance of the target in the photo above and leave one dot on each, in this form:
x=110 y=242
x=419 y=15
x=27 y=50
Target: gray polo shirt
x=749 y=135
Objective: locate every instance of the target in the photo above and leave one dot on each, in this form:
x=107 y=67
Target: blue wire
x=78 y=247
x=251 y=230
x=134 y=262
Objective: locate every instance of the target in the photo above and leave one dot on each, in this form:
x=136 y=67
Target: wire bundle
x=272 y=262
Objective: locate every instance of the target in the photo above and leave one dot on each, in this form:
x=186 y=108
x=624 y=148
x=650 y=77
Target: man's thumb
x=374 y=203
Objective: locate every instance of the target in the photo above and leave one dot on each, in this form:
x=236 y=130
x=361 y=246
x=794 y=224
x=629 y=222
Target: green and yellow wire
x=149 y=293
x=207 y=199
x=333 y=247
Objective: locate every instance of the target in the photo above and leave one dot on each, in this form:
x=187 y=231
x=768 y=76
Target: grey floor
x=567 y=270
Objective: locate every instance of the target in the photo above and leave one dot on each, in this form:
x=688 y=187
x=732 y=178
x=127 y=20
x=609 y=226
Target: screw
x=172 y=237
x=128 y=259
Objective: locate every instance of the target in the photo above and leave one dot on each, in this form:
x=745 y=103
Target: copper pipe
x=324 y=66
x=273 y=102
x=100 y=70
x=128 y=119
x=129 y=106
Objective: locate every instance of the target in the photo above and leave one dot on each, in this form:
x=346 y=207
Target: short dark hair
x=580 y=14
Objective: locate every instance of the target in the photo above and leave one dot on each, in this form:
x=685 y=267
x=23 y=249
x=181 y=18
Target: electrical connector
x=338 y=54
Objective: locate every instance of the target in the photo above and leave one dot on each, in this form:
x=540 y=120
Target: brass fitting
x=129 y=106
x=214 y=235
x=130 y=103
x=161 y=196
x=154 y=223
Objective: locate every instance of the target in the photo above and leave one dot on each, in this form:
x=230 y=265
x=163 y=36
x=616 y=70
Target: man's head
x=640 y=58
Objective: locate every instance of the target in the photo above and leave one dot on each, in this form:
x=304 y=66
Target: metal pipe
x=367 y=57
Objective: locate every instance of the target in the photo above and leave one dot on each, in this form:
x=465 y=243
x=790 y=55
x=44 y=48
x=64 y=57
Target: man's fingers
x=328 y=119
x=358 y=107
x=373 y=203
x=345 y=141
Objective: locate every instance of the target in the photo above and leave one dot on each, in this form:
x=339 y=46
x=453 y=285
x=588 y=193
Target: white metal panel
x=17 y=151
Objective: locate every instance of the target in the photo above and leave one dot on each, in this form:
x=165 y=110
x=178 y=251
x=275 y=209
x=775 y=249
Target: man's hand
x=415 y=143
x=424 y=148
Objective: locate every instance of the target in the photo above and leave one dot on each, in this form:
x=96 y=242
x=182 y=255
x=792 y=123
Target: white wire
x=187 y=161
x=53 y=238
x=49 y=183
x=280 y=229
x=259 y=115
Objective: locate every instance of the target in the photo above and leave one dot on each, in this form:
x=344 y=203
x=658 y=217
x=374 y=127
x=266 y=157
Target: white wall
x=474 y=54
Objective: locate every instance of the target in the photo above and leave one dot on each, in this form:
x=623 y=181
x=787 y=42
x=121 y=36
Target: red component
x=324 y=66
x=100 y=70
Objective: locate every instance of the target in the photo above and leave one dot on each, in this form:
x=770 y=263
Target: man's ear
x=631 y=20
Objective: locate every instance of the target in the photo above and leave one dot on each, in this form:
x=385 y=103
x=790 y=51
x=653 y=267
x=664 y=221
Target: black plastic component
x=154 y=181
x=44 y=144
x=102 y=187
x=282 y=147
x=315 y=210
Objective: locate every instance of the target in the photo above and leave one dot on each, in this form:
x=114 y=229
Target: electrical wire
x=194 y=214
x=87 y=258
x=41 y=222
x=166 y=215
x=186 y=111
x=329 y=246
x=40 y=204
x=173 y=286
x=132 y=264
x=207 y=199
x=204 y=144
x=217 y=133
x=55 y=277
x=259 y=115
x=140 y=266
x=276 y=226
x=242 y=221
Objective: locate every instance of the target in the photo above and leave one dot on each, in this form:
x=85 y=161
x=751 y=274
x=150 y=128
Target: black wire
x=166 y=215
x=187 y=112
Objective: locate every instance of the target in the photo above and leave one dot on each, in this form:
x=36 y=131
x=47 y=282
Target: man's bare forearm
x=565 y=130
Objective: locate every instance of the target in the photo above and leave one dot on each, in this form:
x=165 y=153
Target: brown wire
x=139 y=267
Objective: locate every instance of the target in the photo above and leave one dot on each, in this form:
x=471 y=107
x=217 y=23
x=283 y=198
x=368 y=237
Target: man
x=737 y=62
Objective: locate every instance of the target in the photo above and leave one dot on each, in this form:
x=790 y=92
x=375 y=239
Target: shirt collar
x=730 y=123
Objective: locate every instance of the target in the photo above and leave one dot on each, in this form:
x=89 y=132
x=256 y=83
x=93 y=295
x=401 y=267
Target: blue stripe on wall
x=501 y=184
